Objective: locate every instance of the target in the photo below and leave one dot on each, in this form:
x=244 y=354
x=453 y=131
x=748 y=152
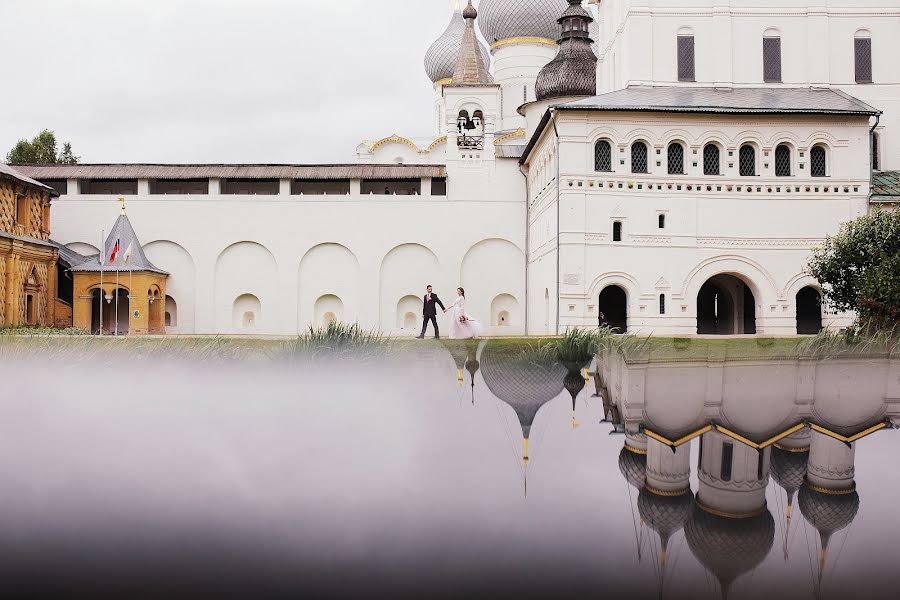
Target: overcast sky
x=296 y=81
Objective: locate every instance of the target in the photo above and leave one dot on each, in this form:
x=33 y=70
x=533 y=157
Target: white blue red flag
x=115 y=251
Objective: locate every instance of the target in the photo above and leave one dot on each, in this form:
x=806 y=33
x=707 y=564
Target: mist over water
x=162 y=480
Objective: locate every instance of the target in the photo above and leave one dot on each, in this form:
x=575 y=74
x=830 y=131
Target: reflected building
x=790 y=459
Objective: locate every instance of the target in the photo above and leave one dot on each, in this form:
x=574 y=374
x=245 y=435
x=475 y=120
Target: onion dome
x=828 y=513
x=526 y=380
x=789 y=469
x=665 y=514
x=573 y=72
x=633 y=467
x=728 y=548
x=441 y=58
x=524 y=20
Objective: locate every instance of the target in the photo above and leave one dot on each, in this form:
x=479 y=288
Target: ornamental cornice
x=523 y=40
x=723 y=242
x=518 y=133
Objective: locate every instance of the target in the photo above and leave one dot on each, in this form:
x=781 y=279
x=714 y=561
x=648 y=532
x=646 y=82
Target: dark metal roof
x=7 y=172
x=573 y=71
x=743 y=101
x=716 y=100
x=238 y=171
x=68 y=257
x=886 y=186
x=441 y=58
x=124 y=233
x=471 y=68
x=509 y=150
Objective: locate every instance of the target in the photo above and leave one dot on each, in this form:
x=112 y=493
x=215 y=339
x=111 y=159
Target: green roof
x=887 y=186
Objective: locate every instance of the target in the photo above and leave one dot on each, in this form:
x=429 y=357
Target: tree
x=42 y=150
x=859 y=268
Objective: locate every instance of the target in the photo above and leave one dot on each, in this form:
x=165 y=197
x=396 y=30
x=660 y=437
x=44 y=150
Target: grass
x=336 y=341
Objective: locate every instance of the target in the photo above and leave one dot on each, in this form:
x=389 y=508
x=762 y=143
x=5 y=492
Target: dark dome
x=573 y=72
x=729 y=547
x=665 y=514
x=469 y=11
x=789 y=469
x=524 y=379
x=633 y=467
x=828 y=513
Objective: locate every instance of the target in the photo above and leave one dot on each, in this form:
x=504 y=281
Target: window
x=676 y=159
x=639 y=158
x=662 y=221
x=686 y=62
x=863 y=47
x=748 y=160
x=727 y=459
x=617 y=231
x=876 y=155
x=109 y=187
x=439 y=186
x=817 y=162
x=662 y=304
x=772 y=59
x=603 y=156
x=250 y=187
x=22 y=210
x=712 y=160
x=320 y=187
x=760 y=464
x=783 y=161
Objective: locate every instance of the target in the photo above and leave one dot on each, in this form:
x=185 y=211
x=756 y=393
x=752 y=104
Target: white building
x=727 y=139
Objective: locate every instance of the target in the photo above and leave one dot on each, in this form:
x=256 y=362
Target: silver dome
x=505 y=19
x=441 y=58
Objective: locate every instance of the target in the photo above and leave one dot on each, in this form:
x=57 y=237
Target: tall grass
x=336 y=341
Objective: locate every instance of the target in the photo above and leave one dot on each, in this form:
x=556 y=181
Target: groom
x=429 y=313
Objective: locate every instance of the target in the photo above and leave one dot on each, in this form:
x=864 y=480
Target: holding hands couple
x=462 y=327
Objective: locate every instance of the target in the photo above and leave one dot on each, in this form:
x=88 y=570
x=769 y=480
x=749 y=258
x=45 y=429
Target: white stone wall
x=293 y=261
x=638 y=47
x=760 y=229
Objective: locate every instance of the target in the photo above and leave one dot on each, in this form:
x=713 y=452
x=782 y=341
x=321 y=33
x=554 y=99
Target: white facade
x=533 y=244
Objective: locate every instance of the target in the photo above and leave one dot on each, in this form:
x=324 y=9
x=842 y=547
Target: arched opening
x=110 y=312
x=409 y=314
x=171 y=312
x=617 y=231
x=809 y=311
x=504 y=311
x=613 y=307
x=30 y=310
x=328 y=309
x=726 y=306
x=247 y=312
x=676 y=159
x=547 y=309
x=818 y=161
x=747 y=161
x=603 y=157
x=783 y=160
x=640 y=159
x=712 y=160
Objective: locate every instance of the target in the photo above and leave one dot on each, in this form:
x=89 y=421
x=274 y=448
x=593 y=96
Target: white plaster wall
x=764 y=236
x=181 y=284
x=638 y=47
x=516 y=67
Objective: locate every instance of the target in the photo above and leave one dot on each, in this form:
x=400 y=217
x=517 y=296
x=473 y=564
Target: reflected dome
x=789 y=469
x=665 y=514
x=828 y=513
x=633 y=467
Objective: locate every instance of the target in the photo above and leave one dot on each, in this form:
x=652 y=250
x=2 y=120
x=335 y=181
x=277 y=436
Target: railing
x=470 y=143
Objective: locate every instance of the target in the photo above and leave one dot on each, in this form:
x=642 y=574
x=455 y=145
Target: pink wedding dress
x=462 y=325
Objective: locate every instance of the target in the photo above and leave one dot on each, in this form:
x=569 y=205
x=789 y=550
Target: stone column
x=12 y=304
x=668 y=472
x=831 y=463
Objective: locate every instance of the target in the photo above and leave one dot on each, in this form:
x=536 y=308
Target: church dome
x=442 y=56
x=828 y=513
x=789 y=469
x=524 y=380
x=507 y=19
x=729 y=547
x=573 y=72
x=633 y=467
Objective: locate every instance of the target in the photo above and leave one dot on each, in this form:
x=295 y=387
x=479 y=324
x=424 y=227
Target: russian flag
x=115 y=251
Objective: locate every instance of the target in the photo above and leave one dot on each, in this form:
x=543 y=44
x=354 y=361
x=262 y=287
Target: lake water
x=394 y=480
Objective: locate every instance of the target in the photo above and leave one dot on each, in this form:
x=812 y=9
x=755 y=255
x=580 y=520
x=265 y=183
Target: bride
x=463 y=326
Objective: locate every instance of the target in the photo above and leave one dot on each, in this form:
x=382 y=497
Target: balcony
x=470 y=143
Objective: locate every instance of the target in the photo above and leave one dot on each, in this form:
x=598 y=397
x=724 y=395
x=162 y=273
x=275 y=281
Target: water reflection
x=344 y=482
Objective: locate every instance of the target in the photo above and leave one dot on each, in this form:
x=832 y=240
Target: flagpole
x=100 y=259
x=117 y=301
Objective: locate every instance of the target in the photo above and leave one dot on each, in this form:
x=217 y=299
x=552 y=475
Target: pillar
x=12 y=297
x=831 y=463
x=668 y=472
x=733 y=476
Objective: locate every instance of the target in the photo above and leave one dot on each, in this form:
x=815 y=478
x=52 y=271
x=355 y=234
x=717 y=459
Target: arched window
x=818 y=165
x=617 y=231
x=662 y=304
x=686 y=62
x=712 y=161
x=783 y=161
x=772 y=57
x=748 y=161
x=662 y=221
x=640 y=161
x=727 y=461
x=603 y=156
x=676 y=159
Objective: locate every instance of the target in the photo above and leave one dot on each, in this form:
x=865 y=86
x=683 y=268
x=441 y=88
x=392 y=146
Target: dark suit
x=429 y=313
